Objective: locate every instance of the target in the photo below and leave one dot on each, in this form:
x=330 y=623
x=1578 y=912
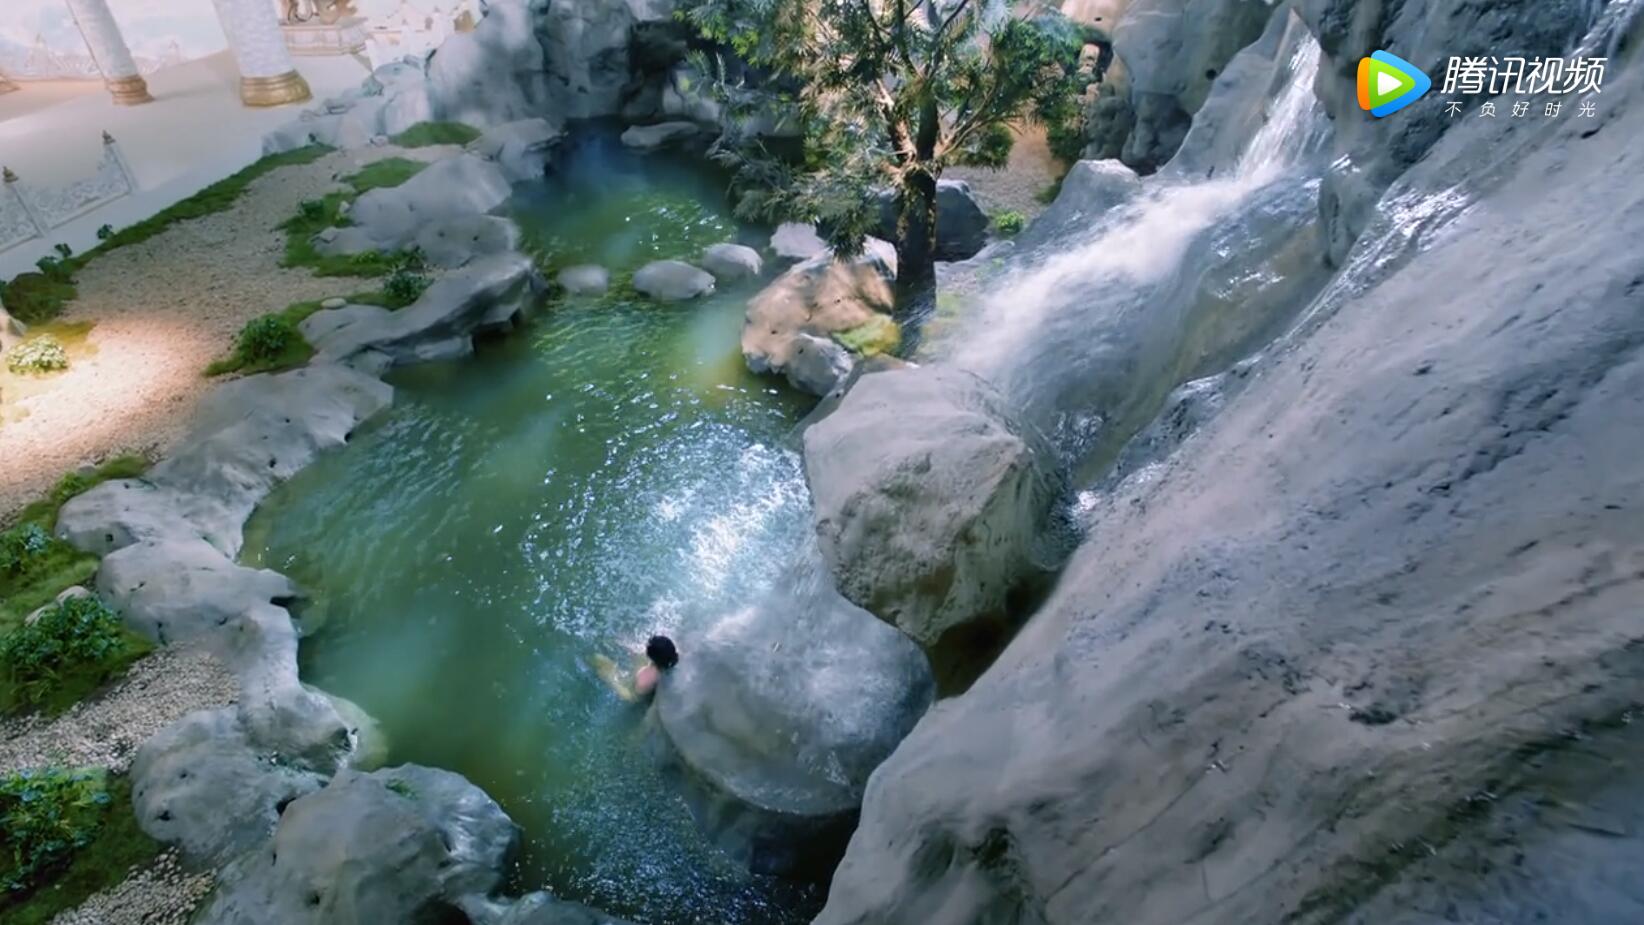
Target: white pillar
x=267 y=75
x=108 y=49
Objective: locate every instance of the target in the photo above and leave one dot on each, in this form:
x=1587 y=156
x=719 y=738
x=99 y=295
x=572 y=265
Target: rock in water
x=778 y=715
x=730 y=262
x=817 y=365
x=931 y=501
x=794 y=241
x=656 y=137
x=823 y=297
x=672 y=281
x=404 y=844
x=584 y=279
x=521 y=148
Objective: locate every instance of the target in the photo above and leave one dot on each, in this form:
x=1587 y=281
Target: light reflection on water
x=611 y=471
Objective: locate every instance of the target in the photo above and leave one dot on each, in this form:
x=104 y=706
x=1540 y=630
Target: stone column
x=108 y=49
x=267 y=75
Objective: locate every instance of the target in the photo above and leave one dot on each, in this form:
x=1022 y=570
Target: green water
x=611 y=471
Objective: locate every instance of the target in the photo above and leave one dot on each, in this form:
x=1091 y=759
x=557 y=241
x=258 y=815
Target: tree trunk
x=916 y=233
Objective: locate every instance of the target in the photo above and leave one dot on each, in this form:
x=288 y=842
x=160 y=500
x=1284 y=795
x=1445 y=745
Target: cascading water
x=1090 y=332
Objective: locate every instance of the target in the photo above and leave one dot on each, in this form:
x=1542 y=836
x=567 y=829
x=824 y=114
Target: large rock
x=821 y=297
x=584 y=279
x=406 y=844
x=1326 y=661
x=817 y=365
x=659 y=136
x=459 y=240
x=961 y=225
x=202 y=785
x=931 y=501
x=522 y=148
x=457 y=187
x=730 y=262
x=672 y=281
x=493 y=74
x=778 y=715
x=795 y=241
x=491 y=293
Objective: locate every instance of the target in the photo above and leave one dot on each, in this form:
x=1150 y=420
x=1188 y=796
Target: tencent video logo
x=1388 y=83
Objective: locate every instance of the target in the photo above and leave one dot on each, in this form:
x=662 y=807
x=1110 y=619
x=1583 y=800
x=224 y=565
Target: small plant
x=402 y=788
x=312 y=210
x=78 y=637
x=43 y=354
x=411 y=259
x=47 y=816
x=104 y=232
x=56 y=269
x=63 y=250
x=1010 y=224
x=21 y=545
x=266 y=337
x=404 y=286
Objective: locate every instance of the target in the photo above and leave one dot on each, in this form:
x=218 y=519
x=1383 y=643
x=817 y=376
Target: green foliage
x=404 y=286
x=266 y=343
x=424 y=134
x=105 y=231
x=44 y=511
x=316 y=215
x=70 y=650
x=887 y=94
x=34 y=298
x=46 y=816
x=1010 y=224
x=1048 y=195
x=116 y=847
x=41 y=354
x=881 y=335
x=63 y=250
x=20 y=545
x=56 y=268
x=402 y=788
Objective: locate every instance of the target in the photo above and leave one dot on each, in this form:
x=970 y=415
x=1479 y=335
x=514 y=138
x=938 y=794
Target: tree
x=887 y=94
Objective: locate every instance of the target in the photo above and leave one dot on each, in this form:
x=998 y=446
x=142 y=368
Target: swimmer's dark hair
x=660 y=650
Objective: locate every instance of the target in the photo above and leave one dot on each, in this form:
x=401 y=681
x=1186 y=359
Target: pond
x=611 y=471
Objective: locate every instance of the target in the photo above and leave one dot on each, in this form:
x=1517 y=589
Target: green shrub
x=70 y=650
x=1010 y=223
x=42 y=354
x=436 y=133
x=20 y=546
x=63 y=250
x=105 y=231
x=311 y=209
x=46 y=816
x=404 y=286
x=266 y=337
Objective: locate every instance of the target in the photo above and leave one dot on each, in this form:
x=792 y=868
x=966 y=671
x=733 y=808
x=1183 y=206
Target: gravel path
x=163 y=894
x=106 y=730
x=163 y=310
x=1016 y=188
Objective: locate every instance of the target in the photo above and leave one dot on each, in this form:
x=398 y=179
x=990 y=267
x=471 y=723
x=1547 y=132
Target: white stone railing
x=29 y=211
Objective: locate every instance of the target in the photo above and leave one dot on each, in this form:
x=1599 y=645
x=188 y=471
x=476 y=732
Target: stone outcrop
x=406 y=844
x=672 y=281
x=461 y=239
x=450 y=193
x=661 y=135
x=522 y=149
x=929 y=520
x=794 y=241
x=820 y=298
x=1322 y=658
x=779 y=716
x=961 y=225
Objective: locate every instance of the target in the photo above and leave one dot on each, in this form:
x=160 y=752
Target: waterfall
x=1088 y=333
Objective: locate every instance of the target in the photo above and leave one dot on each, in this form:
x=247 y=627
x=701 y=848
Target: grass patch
x=872 y=338
x=424 y=134
x=54 y=566
x=299 y=351
x=316 y=215
x=34 y=298
x=72 y=650
x=115 y=846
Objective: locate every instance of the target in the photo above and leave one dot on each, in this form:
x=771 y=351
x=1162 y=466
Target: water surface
x=611 y=471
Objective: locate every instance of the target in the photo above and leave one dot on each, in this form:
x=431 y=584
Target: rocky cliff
x=1354 y=633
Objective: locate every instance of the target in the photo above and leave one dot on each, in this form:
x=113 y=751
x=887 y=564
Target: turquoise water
x=609 y=472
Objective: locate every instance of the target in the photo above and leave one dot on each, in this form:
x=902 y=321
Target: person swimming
x=660 y=655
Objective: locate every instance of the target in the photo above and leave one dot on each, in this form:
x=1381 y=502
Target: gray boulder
x=584 y=279
x=961 y=225
x=817 y=365
x=588 y=51
x=461 y=239
x=685 y=97
x=795 y=241
x=929 y=519
x=777 y=716
x=672 y=281
x=201 y=784
x=659 y=136
x=405 y=844
x=491 y=293
x=493 y=74
x=730 y=262
x=456 y=187
x=522 y=148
